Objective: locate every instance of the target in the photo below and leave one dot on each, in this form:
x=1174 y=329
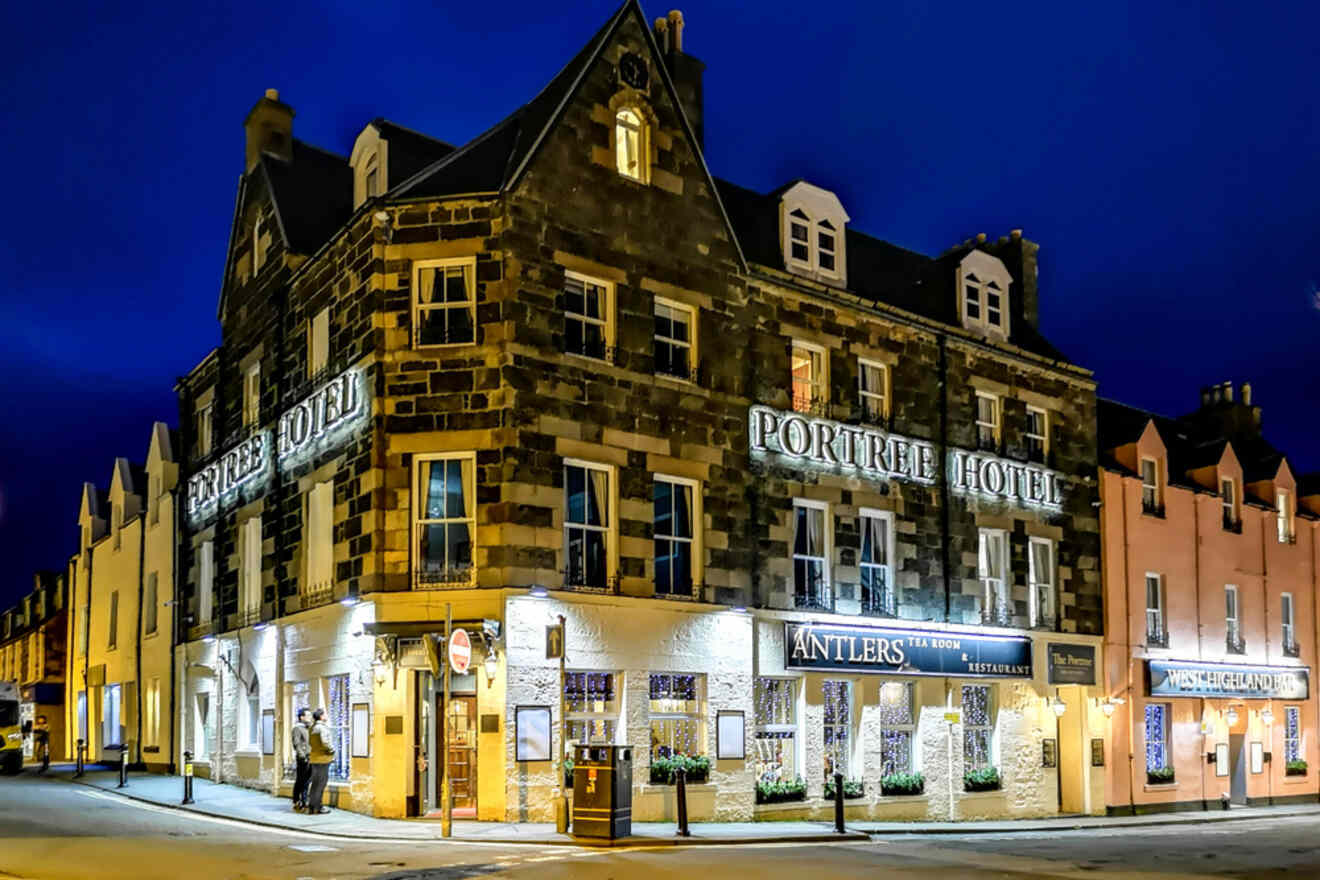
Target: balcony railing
x=201 y=630
x=578 y=583
x=1158 y=639
x=1000 y=613
x=1292 y=649
x=1235 y=643
x=681 y=371
x=697 y=593
x=1152 y=508
x=586 y=348
x=444 y=577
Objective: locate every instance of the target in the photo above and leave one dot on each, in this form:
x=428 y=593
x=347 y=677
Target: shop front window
x=591 y=703
x=776 y=729
x=676 y=714
x=1157 y=736
x=978 y=731
x=837 y=741
x=1292 y=733
x=337 y=719
x=897 y=726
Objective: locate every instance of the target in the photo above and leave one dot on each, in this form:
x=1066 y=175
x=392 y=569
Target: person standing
x=41 y=742
x=320 y=755
x=299 y=739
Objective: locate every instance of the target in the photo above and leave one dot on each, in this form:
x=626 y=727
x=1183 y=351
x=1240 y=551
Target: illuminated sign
x=315 y=424
x=800 y=440
x=904 y=651
x=1185 y=678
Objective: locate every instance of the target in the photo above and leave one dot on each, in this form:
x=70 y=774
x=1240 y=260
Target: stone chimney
x=1236 y=420
x=684 y=70
x=269 y=129
x=1019 y=256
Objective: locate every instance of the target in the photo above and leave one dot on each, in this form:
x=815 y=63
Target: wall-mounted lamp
x=1231 y=716
x=492 y=665
x=1059 y=706
x=538 y=592
x=1267 y=715
x=1109 y=704
x=208 y=638
x=383 y=218
x=351 y=599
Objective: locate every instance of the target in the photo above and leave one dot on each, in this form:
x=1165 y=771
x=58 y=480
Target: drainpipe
x=175 y=639
x=1196 y=598
x=87 y=652
x=1127 y=614
x=944 y=477
x=137 y=642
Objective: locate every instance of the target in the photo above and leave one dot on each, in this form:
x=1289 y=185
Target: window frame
x=610 y=528
x=691 y=344
x=318 y=342
x=206 y=582
x=340 y=724
x=909 y=728
x=1152 y=488
x=1232 y=616
x=1042 y=439
x=819 y=387
x=1158 y=610
x=817 y=222
x=826 y=593
x=995 y=426
x=842 y=756
x=998 y=611
x=641 y=135
x=204 y=427
x=863 y=395
x=1284 y=515
x=1039 y=616
x=1287 y=620
x=886 y=568
x=468 y=265
x=420 y=576
x=970 y=730
x=251 y=414
x=698 y=718
x=695 y=549
x=1161 y=745
x=980 y=275
x=606 y=322
x=588 y=717
x=1292 y=745
x=776 y=731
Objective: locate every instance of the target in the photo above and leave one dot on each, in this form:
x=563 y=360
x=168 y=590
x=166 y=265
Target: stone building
x=805 y=501
x=1209 y=565
x=32 y=655
x=119 y=686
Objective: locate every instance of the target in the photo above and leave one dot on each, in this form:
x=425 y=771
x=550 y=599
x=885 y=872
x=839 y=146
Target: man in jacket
x=298 y=737
x=320 y=755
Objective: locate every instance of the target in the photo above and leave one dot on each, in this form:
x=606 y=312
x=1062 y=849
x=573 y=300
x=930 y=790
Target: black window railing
x=589 y=347
x=1232 y=524
x=585 y=582
x=1292 y=649
x=1235 y=643
x=1152 y=508
x=446 y=577
x=1158 y=639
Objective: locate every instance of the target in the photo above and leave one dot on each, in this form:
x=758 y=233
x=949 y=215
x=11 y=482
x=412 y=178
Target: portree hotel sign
x=799 y=440
x=318 y=422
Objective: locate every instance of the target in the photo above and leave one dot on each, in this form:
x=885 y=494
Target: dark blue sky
x=1165 y=155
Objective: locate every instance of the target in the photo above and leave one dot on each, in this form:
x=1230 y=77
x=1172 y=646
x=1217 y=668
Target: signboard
x=460 y=651
x=554 y=642
x=1070 y=664
x=800 y=440
x=952 y=717
x=316 y=423
x=1187 y=678
x=905 y=652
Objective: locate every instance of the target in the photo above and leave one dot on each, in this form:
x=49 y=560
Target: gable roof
x=410 y=151
x=312 y=195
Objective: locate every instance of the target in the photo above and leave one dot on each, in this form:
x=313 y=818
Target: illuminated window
x=630 y=144
x=1155 y=634
x=591 y=701
x=873 y=390
x=674 y=526
x=318 y=538
x=676 y=709
x=992 y=569
x=1228 y=498
x=807 y=368
x=318 y=342
x=249 y=572
x=444 y=302
x=811 y=570
x=1041 y=579
x=252 y=395
x=1232 y=621
x=877 y=575
x=1037 y=435
x=897 y=728
x=1292 y=733
x=1150 y=487
x=674 y=326
x=337 y=719
x=776 y=730
x=587 y=525
x=1157 y=736
x=1286 y=620
x=987 y=421
x=445 y=519
x=1283 y=507
x=836 y=738
x=978 y=727
x=588 y=307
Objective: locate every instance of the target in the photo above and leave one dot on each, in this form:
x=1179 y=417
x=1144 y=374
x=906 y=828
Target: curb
x=1206 y=819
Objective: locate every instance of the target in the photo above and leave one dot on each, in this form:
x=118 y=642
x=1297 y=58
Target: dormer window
x=370 y=163
x=983 y=291
x=629 y=143
x=371 y=183
x=813 y=223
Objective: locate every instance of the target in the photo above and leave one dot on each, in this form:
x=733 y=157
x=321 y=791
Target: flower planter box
x=1295 y=768
x=781 y=792
x=900 y=784
x=1160 y=777
x=663 y=770
x=852 y=790
x=986 y=779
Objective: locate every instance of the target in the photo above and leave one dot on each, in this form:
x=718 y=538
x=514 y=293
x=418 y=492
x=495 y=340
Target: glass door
x=462 y=755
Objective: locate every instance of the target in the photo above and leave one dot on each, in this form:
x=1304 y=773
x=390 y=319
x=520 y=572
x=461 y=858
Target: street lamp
x=1059 y=706
x=1267 y=715
x=1231 y=716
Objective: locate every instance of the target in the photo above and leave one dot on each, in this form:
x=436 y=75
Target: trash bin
x=602 y=791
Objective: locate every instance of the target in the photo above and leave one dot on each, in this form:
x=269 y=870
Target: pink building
x=1209 y=557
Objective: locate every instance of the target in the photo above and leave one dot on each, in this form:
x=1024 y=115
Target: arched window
x=629 y=143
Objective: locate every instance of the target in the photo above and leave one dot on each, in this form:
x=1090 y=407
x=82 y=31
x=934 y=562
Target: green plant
x=663 y=768
x=1296 y=767
x=982 y=779
x=852 y=788
x=1159 y=775
x=778 y=792
x=902 y=783
x=568 y=773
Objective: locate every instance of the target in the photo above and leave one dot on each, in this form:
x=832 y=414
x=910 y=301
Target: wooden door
x=462 y=755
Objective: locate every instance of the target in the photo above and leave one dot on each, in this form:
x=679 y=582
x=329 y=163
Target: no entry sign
x=460 y=651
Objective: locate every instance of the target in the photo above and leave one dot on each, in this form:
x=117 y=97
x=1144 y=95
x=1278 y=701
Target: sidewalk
x=247 y=805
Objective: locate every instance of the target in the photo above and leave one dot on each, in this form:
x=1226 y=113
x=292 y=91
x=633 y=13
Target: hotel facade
x=804 y=502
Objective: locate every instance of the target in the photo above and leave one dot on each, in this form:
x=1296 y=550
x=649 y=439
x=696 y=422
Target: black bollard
x=78 y=767
x=187 y=777
x=680 y=778
x=838 y=803
x=123 y=767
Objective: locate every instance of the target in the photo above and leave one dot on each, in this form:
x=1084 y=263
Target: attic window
x=630 y=144
x=812 y=239
x=371 y=185
x=983 y=291
x=800 y=237
x=825 y=246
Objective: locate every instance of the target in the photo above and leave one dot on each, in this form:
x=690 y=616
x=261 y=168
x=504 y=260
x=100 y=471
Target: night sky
x=1166 y=156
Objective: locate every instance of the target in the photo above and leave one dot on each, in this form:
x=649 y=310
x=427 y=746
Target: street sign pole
x=562 y=813
x=446 y=814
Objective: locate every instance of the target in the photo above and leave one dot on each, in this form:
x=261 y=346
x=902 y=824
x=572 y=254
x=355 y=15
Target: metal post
x=561 y=810
x=446 y=811
x=680 y=778
x=187 y=777
x=838 y=802
x=82 y=746
x=123 y=767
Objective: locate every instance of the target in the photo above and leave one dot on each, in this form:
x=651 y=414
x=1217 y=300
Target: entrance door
x=425 y=766
x=1072 y=761
x=111 y=730
x=1237 y=786
x=462 y=755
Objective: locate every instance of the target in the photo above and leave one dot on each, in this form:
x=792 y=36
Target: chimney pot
x=980 y=238
x=1016 y=233
x=1205 y=397
x=676 y=25
x=1246 y=394
x=273 y=94
x=1228 y=392
x=661 y=30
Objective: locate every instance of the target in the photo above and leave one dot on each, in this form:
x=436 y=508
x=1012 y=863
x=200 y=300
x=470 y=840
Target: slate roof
x=313 y=195
x=410 y=151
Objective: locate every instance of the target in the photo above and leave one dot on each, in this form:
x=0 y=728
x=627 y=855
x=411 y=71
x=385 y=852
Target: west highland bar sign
x=800 y=440
x=315 y=424
x=1185 y=678
x=905 y=652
